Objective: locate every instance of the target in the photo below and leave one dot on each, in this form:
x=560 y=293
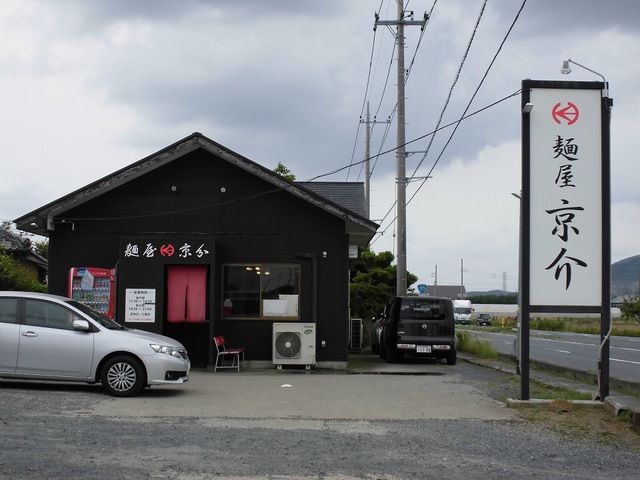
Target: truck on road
x=462 y=311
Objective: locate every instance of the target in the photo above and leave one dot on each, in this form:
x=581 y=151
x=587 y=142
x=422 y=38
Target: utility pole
x=435 y=282
x=401 y=157
x=367 y=157
x=462 y=278
x=367 y=168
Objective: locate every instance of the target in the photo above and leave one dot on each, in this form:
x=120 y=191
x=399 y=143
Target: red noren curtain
x=197 y=294
x=186 y=293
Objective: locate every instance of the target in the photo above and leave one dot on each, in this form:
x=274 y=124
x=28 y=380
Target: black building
x=224 y=245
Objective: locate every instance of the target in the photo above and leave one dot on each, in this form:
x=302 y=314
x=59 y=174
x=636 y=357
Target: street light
x=605 y=317
x=566 y=69
x=518 y=316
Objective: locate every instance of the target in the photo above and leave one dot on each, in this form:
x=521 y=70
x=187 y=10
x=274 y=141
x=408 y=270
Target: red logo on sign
x=568 y=114
x=167 y=250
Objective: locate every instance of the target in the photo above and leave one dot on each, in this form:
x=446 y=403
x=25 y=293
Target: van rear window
x=423 y=310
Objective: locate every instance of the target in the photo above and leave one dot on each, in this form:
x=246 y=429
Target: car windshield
x=423 y=310
x=97 y=316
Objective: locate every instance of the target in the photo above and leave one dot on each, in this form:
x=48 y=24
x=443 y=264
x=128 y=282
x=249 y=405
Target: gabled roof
x=13 y=243
x=20 y=248
x=451 y=291
x=348 y=194
x=40 y=221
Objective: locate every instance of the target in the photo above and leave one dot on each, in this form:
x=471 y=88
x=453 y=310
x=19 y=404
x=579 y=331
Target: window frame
x=261 y=316
x=67 y=327
x=17 y=312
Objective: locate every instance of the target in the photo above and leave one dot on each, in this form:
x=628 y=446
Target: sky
x=87 y=88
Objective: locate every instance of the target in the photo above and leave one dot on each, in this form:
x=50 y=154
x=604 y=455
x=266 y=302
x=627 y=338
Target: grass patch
x=540 y=390
x=482 y=348
x=547 y=392
x=584 y=423
x=576 y=325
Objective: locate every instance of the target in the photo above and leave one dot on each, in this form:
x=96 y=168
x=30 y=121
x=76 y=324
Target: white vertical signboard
x=565 y=197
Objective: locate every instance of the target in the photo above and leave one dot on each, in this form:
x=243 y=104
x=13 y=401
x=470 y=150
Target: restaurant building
x=196 y=241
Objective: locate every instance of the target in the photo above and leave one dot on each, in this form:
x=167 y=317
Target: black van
x=418 y=326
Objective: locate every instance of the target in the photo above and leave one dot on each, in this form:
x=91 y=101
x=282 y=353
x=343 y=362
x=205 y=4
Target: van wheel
x=123 y=376
x=452 y=357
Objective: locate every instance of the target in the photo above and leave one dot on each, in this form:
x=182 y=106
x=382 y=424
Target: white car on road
x=48 y=337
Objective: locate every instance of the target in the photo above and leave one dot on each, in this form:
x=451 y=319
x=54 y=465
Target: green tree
x=14 y=276
x=507 y=299
x=631 y=309
x=284 y=172
x=42 y=248
x=373 y=282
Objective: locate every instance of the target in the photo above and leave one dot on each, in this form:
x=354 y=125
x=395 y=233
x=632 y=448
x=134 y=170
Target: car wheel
x=123 y=376
x=452 y=357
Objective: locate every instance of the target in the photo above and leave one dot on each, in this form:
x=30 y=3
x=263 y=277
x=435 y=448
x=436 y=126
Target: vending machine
x=95 y=287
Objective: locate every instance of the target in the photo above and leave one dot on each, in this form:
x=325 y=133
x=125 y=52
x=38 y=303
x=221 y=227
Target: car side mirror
x=81 y=325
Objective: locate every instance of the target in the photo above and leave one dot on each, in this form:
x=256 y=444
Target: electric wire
x=457 y=123
x=417 y=139
x=446 y=104
x=278 y=189
x=486 y=73
x=386 y=82
x=366 y=92
x=453 y=85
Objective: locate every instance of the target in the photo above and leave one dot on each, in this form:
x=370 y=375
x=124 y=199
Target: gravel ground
x=49 y=432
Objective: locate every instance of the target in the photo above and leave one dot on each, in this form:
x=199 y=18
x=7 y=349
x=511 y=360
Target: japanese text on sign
x=168 y=250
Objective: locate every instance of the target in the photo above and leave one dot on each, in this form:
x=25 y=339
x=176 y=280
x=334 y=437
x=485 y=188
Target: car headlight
x=166 y=349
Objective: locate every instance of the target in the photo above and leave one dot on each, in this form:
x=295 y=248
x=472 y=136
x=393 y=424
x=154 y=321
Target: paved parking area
x=430 y=394
x=424 y=420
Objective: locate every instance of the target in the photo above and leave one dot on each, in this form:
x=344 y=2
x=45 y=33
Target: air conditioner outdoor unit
x=294 y=344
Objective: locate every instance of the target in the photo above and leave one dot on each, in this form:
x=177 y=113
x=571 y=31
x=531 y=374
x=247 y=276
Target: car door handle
x=29 y=334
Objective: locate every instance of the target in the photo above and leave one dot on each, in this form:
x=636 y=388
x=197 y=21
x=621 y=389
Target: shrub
x=14 y=276
x=469 y=343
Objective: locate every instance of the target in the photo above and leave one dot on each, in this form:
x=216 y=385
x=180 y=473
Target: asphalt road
x=575 y=350
x=415 y=421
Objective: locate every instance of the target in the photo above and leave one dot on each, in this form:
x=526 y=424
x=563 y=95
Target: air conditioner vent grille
x=288 y=345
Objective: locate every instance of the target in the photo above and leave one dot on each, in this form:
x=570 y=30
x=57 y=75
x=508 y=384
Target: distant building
x=451 y=291
x=619 y=300
x=19 y=248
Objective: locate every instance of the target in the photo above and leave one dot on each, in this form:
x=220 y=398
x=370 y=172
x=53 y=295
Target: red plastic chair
x=224 y=354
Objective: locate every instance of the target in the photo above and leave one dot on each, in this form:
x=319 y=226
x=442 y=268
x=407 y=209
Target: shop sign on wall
x=140 y=305
x=174 y=249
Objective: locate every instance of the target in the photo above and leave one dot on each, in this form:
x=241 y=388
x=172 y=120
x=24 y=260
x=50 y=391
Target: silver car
x=47 y=337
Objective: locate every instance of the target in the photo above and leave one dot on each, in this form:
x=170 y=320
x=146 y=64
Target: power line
x=446 y=104
x=457 y=123
x=455 y=82
x=386 y=82
x=366 y=91
x=417 y=139
x=486 y=73
x=278 y=189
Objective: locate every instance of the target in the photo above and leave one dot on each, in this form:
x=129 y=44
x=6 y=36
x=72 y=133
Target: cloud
x=466 y=211
x=88 y=87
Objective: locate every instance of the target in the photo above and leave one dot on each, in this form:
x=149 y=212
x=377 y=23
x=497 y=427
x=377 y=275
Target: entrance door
x=187 y=293
x=187 y=314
